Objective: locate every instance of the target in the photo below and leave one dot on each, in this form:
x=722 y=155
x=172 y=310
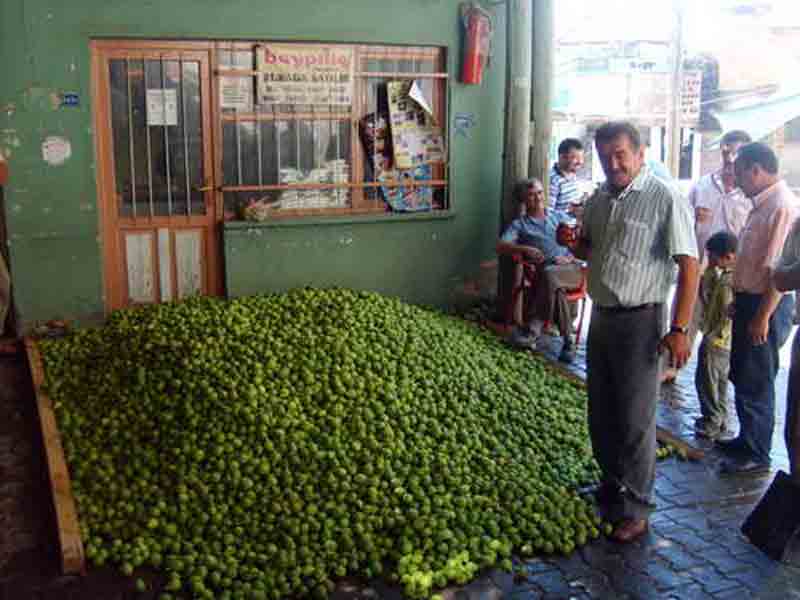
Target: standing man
x=787 y=278
x=718 y=205
x=564 y=189
x=635 y=228
x=762 y=316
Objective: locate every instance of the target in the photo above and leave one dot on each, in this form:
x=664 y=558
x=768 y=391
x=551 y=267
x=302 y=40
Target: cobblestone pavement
x=694 y=548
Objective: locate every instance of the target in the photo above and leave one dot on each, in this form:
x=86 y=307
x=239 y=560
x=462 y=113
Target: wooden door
x=155 y=171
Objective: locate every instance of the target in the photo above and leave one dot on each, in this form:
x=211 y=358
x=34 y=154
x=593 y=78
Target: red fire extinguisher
x=477 y=42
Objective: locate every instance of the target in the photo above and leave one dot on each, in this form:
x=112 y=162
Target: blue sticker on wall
x=464 y=121
x=70 y=99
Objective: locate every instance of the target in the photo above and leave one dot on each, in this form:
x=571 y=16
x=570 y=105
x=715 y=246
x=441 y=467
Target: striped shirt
x=564 y=189
x=634 y=238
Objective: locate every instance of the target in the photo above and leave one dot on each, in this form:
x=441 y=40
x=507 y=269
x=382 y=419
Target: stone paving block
x=687 y=538
x=735 y=593
x=681 y=559
x=600 y=559
x=681 y=513
x=571 y=565
x=664 y=577
x=692 y=591
x=593 y=585
x=753 y=556
x=686 y=498
x=712 y=580
x=538 y=565
x=633 y=583
x=552 y=582
x=725 y=562
x=526 y=594
x=659 y=518
x=666 y=487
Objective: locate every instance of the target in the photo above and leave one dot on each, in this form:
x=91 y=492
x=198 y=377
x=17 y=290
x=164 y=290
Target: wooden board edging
x=69 y=536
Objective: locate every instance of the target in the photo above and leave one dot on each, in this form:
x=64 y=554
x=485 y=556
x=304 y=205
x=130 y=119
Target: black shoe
x=743 y=467
x=731 y=445
x=567 y=354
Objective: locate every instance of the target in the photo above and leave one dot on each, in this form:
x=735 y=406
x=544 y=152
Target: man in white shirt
x=718 y=205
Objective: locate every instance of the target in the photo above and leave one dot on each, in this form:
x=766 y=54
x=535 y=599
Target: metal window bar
x=185 y=128
x=131 y=148
x=147 y=138
x=238 y=138
x=259 y=142
x=166 y=135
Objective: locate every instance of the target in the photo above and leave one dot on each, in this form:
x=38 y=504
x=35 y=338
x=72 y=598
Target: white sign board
x=162 y=107
x=691 y=92
x=236 y=92
x=303 y=74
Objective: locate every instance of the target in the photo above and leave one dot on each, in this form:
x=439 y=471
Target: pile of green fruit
x=261 y=447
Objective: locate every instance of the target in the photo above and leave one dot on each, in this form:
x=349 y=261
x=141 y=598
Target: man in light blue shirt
x=533 y=236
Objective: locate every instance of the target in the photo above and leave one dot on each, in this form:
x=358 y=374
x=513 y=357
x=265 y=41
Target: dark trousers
x=753 y=371
x=791 y=430
x=623 y=382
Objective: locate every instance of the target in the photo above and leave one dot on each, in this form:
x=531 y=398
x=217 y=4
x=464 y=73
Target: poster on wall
x=305 y=74
x=162 y=107
x=236 y=92
x=415 y=137
x=377 y=141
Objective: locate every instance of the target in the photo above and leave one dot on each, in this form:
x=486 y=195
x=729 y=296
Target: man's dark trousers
x=623 y=383
x=753 y=371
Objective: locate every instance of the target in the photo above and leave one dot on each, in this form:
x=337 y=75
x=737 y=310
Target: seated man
x=533 y=236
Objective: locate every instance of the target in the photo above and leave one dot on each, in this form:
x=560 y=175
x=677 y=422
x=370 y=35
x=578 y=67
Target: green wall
x=52 y=213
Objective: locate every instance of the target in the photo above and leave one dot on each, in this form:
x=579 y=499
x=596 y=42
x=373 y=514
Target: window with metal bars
x=293 y=160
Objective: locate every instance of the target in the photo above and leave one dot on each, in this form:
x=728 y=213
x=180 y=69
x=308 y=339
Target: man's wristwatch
x=679 y=329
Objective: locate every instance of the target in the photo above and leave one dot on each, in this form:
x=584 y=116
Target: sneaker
x=567 y=353
x=708 y=431
x=522 y=339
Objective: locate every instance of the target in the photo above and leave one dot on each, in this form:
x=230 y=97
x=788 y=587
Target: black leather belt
x=625 y=309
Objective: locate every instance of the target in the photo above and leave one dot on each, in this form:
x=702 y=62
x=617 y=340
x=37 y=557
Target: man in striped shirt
x=635 y=229
x=564 y=189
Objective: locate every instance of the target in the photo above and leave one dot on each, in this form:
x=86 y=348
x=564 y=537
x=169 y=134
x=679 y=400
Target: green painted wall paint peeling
x=51 y=211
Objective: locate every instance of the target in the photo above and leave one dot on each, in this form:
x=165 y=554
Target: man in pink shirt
x=762 y=316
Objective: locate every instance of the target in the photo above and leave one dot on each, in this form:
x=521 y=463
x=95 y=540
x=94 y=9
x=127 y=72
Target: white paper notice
x=56 y=150
x=418 y=96
x=162 y=107
x=236 y=92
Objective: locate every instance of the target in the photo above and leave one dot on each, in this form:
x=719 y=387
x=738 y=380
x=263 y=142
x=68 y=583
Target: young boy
x=713 y=358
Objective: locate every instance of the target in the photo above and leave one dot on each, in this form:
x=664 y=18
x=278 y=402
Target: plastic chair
x=579 y=295
x=528 y=281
